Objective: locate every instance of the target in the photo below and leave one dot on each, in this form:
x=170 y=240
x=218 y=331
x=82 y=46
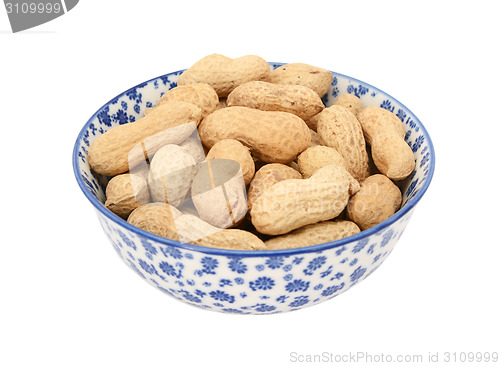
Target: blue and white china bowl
x=251 y=282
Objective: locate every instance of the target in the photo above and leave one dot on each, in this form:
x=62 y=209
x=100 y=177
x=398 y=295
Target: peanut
x=175 y=212
x=194 y=230
x=385 y=133
x=158 y=220
x=218 y=193
x=340 y=130
x=267 y=176
x=119 y=149
x=126 y=192
x=351 y=102
x=199 y=94
x=316 y=157
x=235 y=239
x=296 y=99
x=234 y=150
x=309 y=76
x=377 y=200
x=194 y=147
x=223 y=73
x=273 y=137
x=171 y=172
x=293 y=203
x=312 y=234
x=315 y=139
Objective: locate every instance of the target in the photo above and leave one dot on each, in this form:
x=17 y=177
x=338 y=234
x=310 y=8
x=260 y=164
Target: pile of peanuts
x=302 y=174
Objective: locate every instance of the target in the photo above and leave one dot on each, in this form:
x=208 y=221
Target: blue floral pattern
x=238 y=283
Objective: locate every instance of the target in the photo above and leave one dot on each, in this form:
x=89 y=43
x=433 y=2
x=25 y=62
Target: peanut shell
x=377 y=200
x=315 y=78
x=224 y=73
x=126 y=192
x=340 y=129
x=273 y=137
x=313 y=234
x=296 y=99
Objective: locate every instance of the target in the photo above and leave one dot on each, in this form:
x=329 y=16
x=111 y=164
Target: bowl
x=251 y=282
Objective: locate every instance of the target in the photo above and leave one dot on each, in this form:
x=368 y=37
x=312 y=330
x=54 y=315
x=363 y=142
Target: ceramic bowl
x=251 y=282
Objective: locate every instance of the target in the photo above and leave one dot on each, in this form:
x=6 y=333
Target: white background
x=67 y=299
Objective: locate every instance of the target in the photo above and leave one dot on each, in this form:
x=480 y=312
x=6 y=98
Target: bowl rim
x=258 y=253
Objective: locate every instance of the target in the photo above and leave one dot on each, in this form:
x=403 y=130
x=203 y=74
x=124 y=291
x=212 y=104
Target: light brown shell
x=296 y=99
x=158 y=220
x=273 y=137
x=195 y=231
x=266 y=177
x=316 y=140
x=385 y=132
x=224 y=73
x=377 y=200
x=199 y=94
x=174 y=210
x=234 y=150
x=194 y=147
x=126 y=192
x=109 y=153
x=316 y=157
x=293 y=203
x=313 y=77
x=234 y=239
x=218 y=193
x=340 y=129
x=312 y=234
x=351 y=102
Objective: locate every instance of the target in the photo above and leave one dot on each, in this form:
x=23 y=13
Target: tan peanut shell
x=199 y=94
x=234 y=239
x=296 y=99
x=340 y=129
x=174 y=210
x=377 y=200
x=193 y=230
x=234 y=150
x=158 y=220
x=316 y=157
x=315 y=78
x=218 y=193
x=109 y=153
x=126 y=192
x=312 y=234
x=194 y=147
x=273 y=137
x=171 y=172
x=267 y=176
x=385 y=133
x=293 y=203
x=224 y=73
x=351 y=102
x=315 y=139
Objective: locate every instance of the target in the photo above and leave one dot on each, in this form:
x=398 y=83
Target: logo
x=26 y=14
